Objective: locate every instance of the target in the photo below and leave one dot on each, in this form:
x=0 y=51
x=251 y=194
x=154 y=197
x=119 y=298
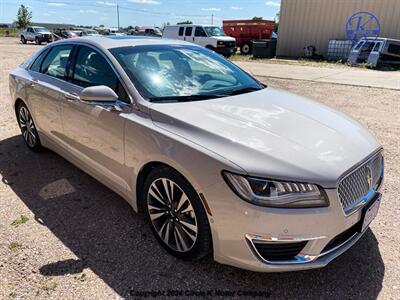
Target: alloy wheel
x=27 y=127
x=172 y=215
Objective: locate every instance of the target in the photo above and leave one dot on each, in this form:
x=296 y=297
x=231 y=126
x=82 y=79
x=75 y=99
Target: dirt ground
x=63 y=235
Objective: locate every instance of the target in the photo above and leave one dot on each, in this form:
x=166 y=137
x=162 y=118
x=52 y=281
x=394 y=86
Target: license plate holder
x=369 y=213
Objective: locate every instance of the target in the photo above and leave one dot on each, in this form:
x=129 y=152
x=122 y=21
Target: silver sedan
x=218 y=162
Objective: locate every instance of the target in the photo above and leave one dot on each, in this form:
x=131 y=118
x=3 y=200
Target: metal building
x=315 y=22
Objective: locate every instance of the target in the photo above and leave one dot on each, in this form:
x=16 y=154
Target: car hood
x=272 y=133
x=224 y=38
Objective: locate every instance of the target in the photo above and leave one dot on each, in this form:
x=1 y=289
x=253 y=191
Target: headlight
x=274 y=193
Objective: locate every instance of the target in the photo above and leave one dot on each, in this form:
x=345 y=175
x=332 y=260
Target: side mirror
x=99 y=93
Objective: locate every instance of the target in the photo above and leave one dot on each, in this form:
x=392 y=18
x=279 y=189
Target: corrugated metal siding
x=315 y=22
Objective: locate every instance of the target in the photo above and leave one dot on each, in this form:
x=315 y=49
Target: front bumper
x=236 y=225
x=226 y=51
x=45 y=38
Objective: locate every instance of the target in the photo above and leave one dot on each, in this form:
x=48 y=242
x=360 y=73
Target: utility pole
x=117 y=16
x=212 y=19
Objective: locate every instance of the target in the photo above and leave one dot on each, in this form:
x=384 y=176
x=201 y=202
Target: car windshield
x=41 y=29
x=214 y=31
x=182 y=73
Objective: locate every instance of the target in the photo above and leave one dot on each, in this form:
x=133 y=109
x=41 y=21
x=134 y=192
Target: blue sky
x=139 y=12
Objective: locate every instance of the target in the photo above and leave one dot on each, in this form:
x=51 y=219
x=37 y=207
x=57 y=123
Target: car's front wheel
x=176 y=214
x=27 y=126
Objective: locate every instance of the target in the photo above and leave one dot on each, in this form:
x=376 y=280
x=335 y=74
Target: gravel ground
x=63 y=235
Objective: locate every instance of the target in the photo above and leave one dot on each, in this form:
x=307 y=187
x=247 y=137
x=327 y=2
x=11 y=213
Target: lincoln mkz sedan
x=217 y=161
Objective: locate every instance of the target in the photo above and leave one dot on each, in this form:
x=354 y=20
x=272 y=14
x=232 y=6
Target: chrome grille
x=358 y=183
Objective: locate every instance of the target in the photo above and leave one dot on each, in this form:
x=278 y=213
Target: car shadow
x=100 y=228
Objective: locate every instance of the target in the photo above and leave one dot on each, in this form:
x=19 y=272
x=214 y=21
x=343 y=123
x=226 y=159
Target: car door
x=375 y=54
x=200 y=36
x=93 y=133
x=30 y=35
x=181 y=33
x=188 y=34
x=45 y=90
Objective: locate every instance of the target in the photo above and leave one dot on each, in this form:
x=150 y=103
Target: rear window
x=377 y=46
x=181 y=29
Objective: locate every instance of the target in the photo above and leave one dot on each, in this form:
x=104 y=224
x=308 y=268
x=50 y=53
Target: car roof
x=194 y=25
x=110 y=42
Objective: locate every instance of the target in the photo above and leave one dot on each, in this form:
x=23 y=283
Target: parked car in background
x=246 y=31
x=36 y=34
x=374 y=51
x=147 y=31
x=89 y=32
x=85 y=32
x=65 y=34
x=211 y=37
x=218 y=162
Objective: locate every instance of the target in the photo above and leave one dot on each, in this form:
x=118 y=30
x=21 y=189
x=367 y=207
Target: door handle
x=71 y=97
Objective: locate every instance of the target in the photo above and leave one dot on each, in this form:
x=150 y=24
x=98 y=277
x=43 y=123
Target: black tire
x=246 y=49
x=202 y=244
x=23 y=40
x=28 y=128
x=37 y=41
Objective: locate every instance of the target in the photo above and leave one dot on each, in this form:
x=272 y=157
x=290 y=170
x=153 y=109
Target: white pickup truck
x=37 y=35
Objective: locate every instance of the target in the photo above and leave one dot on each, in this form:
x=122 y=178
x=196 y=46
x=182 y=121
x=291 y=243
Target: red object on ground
x=245 y=31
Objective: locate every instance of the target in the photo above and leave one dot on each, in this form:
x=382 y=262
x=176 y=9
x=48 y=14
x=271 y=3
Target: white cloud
x=56 y=4
x=149 y=2
x=88 y=11
x=236 y=8
x=272 y=3
x=106 y=3
x=211 y=9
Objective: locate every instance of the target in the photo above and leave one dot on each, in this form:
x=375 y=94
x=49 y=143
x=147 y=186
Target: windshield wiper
x=184 y=98
x=244 y=90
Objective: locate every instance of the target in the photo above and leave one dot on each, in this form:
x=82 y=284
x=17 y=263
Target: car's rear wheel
x=176 y=214
x=28 y=129
x=23 y=40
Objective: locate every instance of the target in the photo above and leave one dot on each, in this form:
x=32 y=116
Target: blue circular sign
x=362 y=25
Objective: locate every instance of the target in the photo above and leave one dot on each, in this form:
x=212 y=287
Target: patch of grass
x=21 y=220
x=12 y=295
x=12 y=32
x=14 y=245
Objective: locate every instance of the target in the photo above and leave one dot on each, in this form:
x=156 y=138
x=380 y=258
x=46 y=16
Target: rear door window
x=181 y=29
x=377 y=46
x=55 y=63
x=188 y=31
x=38 y=61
